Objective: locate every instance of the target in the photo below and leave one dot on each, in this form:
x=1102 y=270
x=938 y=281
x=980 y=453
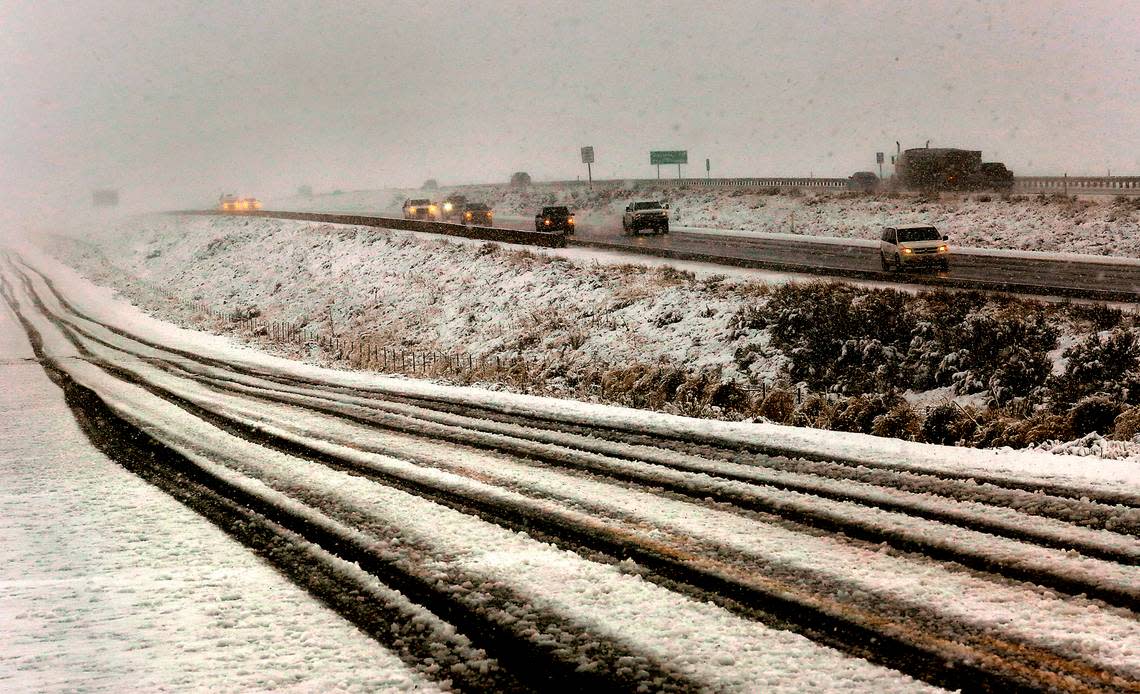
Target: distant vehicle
x=420 y=208
x=478 y=214
x=232 y=203
x=555 y=218
x=645 y=214
x=946 y=168
x=863 y=180
x=913 y=245
x=452 y=207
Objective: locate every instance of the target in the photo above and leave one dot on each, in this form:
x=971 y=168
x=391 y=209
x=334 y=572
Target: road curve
x=541 y=552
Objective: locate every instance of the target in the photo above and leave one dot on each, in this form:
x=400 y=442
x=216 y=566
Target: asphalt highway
x=1041 y=274
x=860 y=258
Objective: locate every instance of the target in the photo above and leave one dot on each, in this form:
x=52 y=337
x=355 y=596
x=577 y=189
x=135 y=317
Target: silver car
x=913 y=245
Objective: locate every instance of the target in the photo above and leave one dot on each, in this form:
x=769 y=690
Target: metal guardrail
x=1065 y=185
x=497 y=234
x=782 y=182
x=1078 y=185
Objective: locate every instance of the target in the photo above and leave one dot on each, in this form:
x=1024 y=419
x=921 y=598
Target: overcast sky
x=173 y=102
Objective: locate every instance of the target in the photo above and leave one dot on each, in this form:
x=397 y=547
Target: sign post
x=707 y=169
x=588 y=160
x=879 y=161
x=677 y=157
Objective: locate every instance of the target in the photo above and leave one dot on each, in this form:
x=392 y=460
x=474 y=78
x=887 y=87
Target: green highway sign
x=680 y=156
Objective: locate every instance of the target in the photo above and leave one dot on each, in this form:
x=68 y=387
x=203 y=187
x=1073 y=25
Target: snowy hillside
x=972 y=369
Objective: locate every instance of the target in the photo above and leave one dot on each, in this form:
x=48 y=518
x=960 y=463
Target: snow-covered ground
x=108 y=585
x=709 y=644
x=406 y=291
x=1098 y=226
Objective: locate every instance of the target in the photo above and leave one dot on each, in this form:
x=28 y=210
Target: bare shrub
x=667 y=274
x=858 y=414
x=1094 y=413
x=947 y=424
x=779 y=406
x=815 y=411
x=1127 y=424
x=899 y=422
x=1101 y=317
x=1046 y=426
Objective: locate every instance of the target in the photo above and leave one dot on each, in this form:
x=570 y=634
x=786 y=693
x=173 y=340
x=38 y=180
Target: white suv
x=913 y=245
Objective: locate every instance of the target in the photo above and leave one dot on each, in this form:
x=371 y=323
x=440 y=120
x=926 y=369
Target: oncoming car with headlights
x=421 y=208
x=478 y=214
x=452 y=207
x=913 y=245
x=555 y=218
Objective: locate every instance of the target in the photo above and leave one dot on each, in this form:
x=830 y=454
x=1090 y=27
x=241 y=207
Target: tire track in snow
x=728 y=590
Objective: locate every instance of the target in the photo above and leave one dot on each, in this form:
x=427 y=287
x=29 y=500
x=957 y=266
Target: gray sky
x=173 y=102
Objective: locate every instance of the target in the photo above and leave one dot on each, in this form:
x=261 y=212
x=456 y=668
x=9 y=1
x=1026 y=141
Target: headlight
x=571 y=220
x=412 y=210
x=943 y=249
x=906 y=251
x=447 y=206
x=432 y=208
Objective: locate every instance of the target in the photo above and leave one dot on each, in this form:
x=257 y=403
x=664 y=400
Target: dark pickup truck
x=555 y=218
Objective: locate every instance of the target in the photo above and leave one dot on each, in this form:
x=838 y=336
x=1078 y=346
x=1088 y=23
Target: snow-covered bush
x=1095 y=413
x=1101 y=364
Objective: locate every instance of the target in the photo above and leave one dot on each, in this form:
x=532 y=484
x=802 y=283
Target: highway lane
x=860 y=257
x=1087 y=277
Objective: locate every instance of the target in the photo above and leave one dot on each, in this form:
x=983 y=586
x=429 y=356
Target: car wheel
x=884 y=263
x=945 y=266
x=898 y=262
x=665 y=229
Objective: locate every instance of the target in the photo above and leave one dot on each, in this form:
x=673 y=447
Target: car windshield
x=918 y=234
x=419 y=202
x=555 y=210
x=477 y=208
x=653 y=205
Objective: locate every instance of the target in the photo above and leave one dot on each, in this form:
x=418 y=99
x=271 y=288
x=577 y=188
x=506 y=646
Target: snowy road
x=1025 y=272
x=499 y=546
